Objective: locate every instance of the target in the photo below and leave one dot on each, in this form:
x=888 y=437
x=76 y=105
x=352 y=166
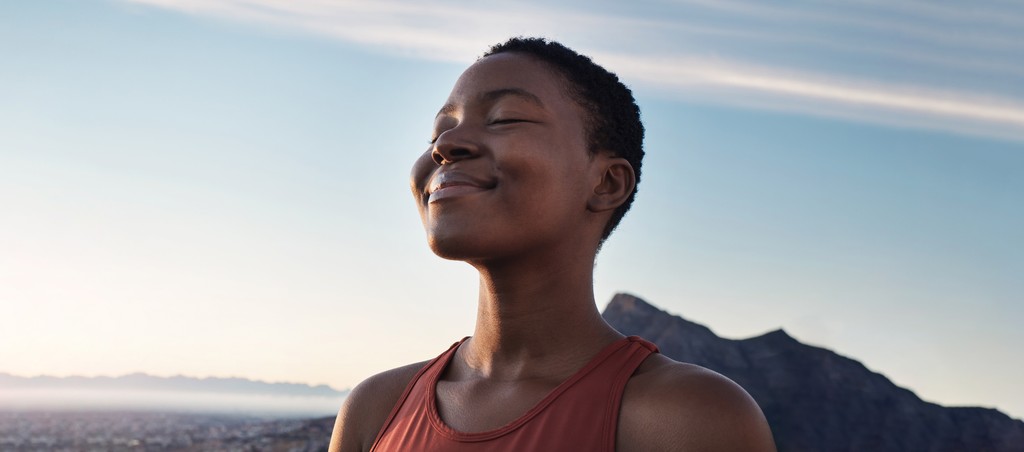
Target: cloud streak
x=872 y=102
x=906 y=67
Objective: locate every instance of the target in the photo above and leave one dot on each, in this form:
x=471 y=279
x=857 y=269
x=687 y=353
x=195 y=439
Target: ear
x=615 y=182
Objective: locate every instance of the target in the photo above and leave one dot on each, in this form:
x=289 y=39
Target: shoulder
x=669 y=405
x=367 y=407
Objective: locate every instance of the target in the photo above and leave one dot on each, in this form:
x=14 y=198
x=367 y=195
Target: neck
x=529 y=316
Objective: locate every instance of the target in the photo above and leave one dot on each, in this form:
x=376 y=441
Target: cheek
x=551 y=196
x=558 y=179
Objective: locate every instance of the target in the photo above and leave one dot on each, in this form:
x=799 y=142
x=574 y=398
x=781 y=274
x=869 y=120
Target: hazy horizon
x=198 y=378
x=181 y=394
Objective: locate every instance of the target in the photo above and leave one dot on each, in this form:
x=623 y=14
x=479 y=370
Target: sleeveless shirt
x=581 y=414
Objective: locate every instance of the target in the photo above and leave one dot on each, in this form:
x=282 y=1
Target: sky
x=220 y=187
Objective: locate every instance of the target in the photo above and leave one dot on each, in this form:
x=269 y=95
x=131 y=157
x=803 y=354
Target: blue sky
x=219 y=188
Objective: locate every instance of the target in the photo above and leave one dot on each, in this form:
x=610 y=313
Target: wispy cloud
x=875 y=102
x=944 y=66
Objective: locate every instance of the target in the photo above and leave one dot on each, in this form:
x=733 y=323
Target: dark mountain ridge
x=815 y=399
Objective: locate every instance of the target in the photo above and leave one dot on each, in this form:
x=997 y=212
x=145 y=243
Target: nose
x=451 y=146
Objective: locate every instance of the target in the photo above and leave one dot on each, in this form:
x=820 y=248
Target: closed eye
x=507 y=121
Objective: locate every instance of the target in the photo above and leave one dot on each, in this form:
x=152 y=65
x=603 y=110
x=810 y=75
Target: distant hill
x=815 y=399
x=144 y=382
x=235 y=396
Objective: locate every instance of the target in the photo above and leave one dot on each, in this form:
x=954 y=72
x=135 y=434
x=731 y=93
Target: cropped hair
x=613 y=118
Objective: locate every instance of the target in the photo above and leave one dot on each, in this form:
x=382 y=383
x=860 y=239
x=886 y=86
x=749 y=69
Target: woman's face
x=510 y=170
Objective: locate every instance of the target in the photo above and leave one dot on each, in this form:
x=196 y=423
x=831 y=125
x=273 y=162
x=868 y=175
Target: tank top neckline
x=443 y=428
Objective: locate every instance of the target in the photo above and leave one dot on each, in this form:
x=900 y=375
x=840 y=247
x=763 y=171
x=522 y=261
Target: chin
x=466 y=246
x=451 y=249
x=454 y=240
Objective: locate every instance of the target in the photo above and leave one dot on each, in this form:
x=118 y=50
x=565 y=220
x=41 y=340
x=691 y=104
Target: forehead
x=511 y=72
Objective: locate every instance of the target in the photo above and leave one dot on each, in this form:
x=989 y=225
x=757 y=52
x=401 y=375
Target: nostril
x=450 y=155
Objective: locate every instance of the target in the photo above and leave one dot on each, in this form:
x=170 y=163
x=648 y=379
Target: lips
x=450 y=184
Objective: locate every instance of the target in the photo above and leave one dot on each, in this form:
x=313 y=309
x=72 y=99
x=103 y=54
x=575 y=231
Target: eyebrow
x=494 y=95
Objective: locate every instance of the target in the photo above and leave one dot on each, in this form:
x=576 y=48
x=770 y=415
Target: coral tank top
x=581 y=414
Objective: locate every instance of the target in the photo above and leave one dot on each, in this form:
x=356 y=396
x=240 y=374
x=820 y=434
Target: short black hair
x=614 y=118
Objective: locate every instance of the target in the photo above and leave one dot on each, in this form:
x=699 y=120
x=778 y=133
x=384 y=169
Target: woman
x=535 y=159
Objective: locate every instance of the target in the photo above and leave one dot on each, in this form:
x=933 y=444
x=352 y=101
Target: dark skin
x=511 y=187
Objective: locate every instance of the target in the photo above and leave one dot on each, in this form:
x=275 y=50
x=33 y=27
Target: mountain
x=815 y=399
x=144 y=382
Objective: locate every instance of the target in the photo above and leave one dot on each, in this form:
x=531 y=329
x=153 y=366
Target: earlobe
x=616 y=182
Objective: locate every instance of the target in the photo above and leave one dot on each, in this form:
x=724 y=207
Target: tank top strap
x=431 y=371
x=636 y=352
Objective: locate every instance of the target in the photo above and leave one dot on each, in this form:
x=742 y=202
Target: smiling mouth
x=453 y=184
x=452 y=190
